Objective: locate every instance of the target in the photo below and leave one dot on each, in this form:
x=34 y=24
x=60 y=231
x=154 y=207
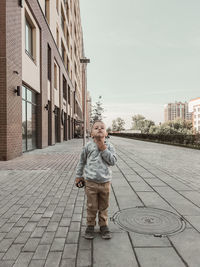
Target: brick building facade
x=41 y=44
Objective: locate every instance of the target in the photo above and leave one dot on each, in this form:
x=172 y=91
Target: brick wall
x=10 y=63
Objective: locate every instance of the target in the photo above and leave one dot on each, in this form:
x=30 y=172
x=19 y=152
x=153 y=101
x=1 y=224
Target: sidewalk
x=43 y=215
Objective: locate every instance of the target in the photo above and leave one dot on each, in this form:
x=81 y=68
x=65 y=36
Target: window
x=29 y=38
x=57 y=5
x=67 y=11
x=55 y=75
x=71 y=28
x=63 y=20
x=68 y=64
x=71 y=51
x=28 y=119
x=68 y=39
x=75 y=68
x=75 y=50
x=69 y=95
x=64 y=88
x=63 y=52
x=47 y=10
x=57 y=37
x=75 y=10
x=49 y=62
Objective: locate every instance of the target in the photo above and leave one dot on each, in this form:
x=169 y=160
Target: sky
x=144 y=54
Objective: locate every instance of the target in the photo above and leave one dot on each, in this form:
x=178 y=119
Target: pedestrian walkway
x=43 y=215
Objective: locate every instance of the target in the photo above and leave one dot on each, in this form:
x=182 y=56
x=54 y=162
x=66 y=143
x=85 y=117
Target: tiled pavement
x=42 y=213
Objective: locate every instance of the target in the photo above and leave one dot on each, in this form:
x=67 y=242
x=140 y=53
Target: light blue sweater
x=94 y=165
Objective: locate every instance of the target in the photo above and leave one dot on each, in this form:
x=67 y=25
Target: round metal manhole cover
x=150 y=221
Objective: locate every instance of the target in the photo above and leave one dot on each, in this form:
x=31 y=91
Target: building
x=177 y=110
x=41 y=77
x=194 y=107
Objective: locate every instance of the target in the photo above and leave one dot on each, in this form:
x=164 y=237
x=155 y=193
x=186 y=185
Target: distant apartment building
x=41 y=77
x=194 y=108
x=177 y=110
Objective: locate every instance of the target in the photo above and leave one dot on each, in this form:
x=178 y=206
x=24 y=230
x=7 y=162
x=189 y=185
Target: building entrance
x=28 y=119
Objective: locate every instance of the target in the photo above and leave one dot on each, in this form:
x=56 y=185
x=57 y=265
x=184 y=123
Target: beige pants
x=97 y=200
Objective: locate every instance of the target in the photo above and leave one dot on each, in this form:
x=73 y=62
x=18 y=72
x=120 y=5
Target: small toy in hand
x=80 y=184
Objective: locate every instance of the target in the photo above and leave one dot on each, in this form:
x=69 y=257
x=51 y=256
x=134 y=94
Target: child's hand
x=78 y=180
x=100 y=143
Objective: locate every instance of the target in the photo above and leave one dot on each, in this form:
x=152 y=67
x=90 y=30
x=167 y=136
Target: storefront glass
x=28 y=119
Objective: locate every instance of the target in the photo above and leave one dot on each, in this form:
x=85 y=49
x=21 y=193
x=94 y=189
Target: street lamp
x=84 y=61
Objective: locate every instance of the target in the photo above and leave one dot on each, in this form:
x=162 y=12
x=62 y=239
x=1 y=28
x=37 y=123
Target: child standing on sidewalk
x=96 y=158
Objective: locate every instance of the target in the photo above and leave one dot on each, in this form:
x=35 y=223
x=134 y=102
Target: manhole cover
x=149 y=221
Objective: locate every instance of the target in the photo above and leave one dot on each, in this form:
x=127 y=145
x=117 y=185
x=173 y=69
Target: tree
x=139 y=122
x=108 y=130
x=118 y=124
x=114 y=126
x=173 y=127
x=97 y=111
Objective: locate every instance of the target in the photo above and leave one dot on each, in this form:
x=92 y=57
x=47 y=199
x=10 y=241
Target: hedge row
x=175 y=139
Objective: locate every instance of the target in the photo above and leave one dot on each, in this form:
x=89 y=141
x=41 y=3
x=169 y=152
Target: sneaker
x=105 y=232
x=89 y=232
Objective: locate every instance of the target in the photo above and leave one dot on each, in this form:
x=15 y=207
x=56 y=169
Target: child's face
x=99 y=130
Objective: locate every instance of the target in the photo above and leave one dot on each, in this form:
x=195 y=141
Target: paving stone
x=5 y=244
x=6 y=227
x=140 y=186
x=41 y=252
x=35 y=217
x=30 y=227
x=76 y=217
x=21 y=222
x=37 y=263
x=31 y=244
x=74 y=226
x=23 y=259
x=56 y=217
x=48 y=214
x=65 y=222
x=68 y=263
x=112 y=253
x=62 y=232
x=43 y=222
x=157 y=257
x=84 y=258
x=52 y=227
x=140 y=240
x=53 y=259
x=6 y=263
x=70 y=251
x=15 y=218
x=187 y=244
x=194 y=220
x=40 y=210
x=47 y=238
x=38 y=232
x=181 y=204
x=58 y=244
x=72 y=237
x=14 y=232
x=193 y=196
x=13 y=252
x=22 y=238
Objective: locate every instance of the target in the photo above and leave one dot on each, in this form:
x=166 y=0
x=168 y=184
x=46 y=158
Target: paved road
x=43 y=215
